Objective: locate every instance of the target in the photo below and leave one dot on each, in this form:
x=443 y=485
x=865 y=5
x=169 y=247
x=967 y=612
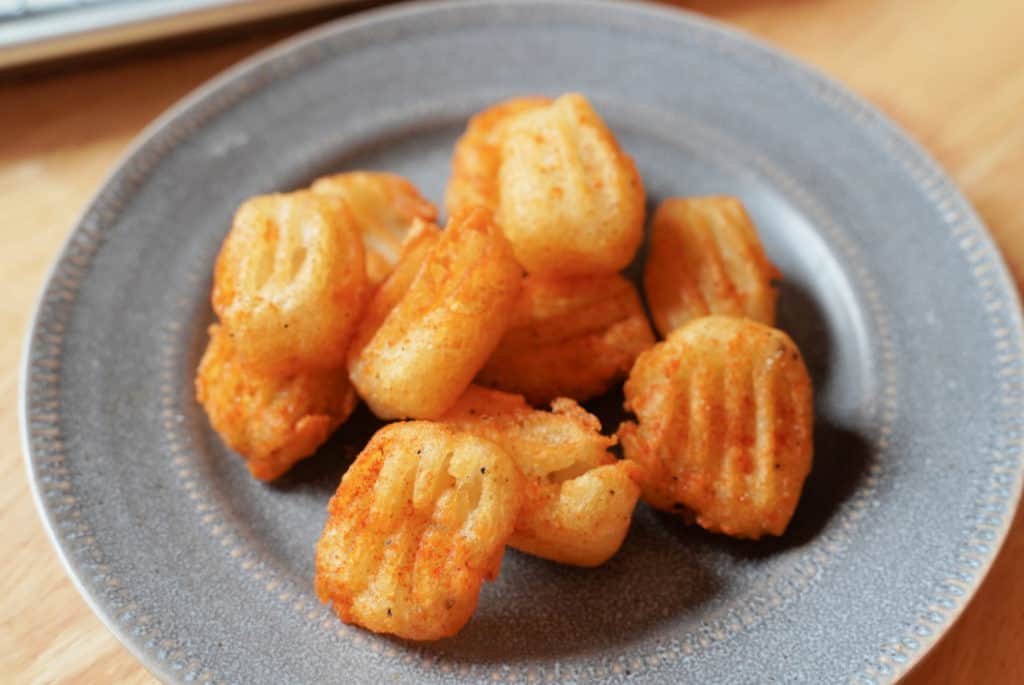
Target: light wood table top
x=950 y=71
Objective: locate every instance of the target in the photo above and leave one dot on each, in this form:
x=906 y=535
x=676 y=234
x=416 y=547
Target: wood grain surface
x=950 y=71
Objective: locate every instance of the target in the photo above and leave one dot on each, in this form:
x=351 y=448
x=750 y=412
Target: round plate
x=893 y=290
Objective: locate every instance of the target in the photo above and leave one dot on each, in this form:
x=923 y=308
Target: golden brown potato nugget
x=415 y=248
x=289 y=283
x=566 y=441
x=419 y=521
x=384 y=207
x=705 y=258
x=416 y=352
x=569 y=337
x=724 y=425
x=477 y=155
x=273 y=421
x=569 y=199
x=579 y=499
x=582 y=521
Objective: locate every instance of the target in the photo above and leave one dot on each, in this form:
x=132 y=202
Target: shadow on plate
x=802 y=318
x=322 y=472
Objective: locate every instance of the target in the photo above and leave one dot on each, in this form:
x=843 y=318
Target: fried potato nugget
x=384 y=207
x=724 y=432
x=569 y=337
x=419 y=521
x=416 y=351
x=705 y=258
x=477 y=156
x=579 y=499
x=290 y=283
x=569 y=199
x=272 y=421
x=415 y=248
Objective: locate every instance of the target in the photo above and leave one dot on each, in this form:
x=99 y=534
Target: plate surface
x=893 y=290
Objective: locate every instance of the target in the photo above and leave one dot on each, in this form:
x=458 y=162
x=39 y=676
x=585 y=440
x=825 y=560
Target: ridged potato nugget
x=724 y=431
x=417 y=245
x=384 y=207
x=419 y=521
x=290 y=282
x=477 y=155
x=705 y=258
x=569 y=337
x=579 y=499
x=569 y=199
x=272 y=421
x=416 y=351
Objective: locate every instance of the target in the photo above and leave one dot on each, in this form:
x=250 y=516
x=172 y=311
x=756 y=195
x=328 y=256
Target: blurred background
x=34 y=32
x=79 y=79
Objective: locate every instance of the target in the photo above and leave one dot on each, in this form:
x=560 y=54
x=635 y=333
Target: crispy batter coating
x=705 y=258
x=419 y=521
x=570 y=200
x=416 y=351
x=579 y=499
x=290 y=281
x=724 y=430
x=477 y=155
x=384 y=207
x=584 y=520
x=272 y=421
x=417 y=245
x=569 y=337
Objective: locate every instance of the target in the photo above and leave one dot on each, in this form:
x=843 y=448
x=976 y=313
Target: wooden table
x=950 y=71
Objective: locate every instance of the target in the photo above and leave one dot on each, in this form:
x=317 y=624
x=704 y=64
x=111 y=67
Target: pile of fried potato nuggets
x=349 y=290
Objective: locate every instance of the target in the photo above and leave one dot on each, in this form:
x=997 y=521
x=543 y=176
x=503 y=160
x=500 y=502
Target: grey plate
x=893 y=290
